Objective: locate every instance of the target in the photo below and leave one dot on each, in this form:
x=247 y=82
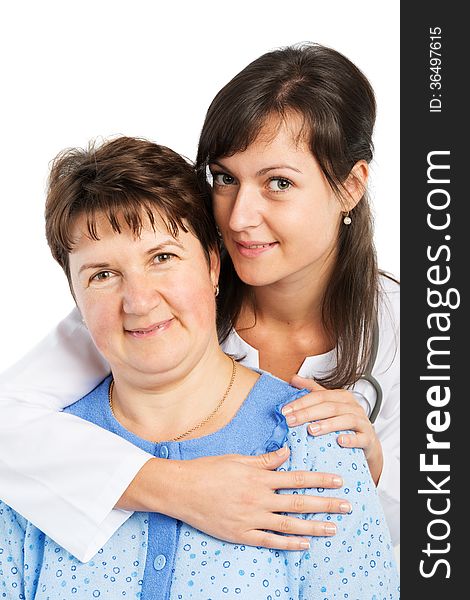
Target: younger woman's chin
x=256 y=279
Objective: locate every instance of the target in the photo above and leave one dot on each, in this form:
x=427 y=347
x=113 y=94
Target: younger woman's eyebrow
x=275 y=167
x=261 y=171
x=219 y=164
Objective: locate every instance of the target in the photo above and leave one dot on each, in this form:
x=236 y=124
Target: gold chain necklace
x=201 y=423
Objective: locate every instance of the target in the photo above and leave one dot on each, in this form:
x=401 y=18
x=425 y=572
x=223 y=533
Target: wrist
x=153 y=487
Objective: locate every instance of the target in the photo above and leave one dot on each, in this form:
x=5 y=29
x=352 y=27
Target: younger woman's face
x=277 y=214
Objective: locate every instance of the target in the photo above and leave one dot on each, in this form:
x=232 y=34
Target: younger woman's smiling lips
x=151 y=330
x=253 y=248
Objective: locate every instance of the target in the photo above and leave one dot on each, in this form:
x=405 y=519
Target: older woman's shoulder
x=307 y=451
x=90 y=407
x=281 y=390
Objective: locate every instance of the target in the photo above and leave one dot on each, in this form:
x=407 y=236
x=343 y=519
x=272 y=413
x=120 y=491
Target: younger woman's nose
x=246 y=210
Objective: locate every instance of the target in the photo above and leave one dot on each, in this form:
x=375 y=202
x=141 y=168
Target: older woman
x=128 y=225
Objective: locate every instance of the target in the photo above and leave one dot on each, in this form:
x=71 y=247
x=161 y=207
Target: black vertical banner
x=435 y=427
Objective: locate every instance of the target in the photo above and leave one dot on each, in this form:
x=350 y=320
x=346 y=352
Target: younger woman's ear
x=356 y=184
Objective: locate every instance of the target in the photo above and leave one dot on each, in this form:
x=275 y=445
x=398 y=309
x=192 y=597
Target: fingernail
x=291 y=419
x=343 y=440
x=337 y=481
x=330 y=529
x=304 y=545
x=287 y=410
x=314 y=427
x=345 y=507
x=282 y=451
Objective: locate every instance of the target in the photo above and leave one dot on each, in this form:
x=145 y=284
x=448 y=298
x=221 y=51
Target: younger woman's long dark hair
x=337 y=106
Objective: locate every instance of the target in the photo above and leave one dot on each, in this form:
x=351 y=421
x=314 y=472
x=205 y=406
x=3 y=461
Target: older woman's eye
x=223 y=179
x=102 y=276
x=164 y=257
x=279 y=184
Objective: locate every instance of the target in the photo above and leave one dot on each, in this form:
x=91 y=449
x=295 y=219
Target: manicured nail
x=337 y=481
x=287 y=410
x=282 y=451
x=345 y=507
x=330 y=529
x=314 y=427
x=304 y=545
x=343 y=440
x=291 y=419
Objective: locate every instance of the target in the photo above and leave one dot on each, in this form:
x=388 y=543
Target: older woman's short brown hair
x=128 y=180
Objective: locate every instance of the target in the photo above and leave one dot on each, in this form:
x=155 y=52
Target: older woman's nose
x=140 y=296
x=246 y=209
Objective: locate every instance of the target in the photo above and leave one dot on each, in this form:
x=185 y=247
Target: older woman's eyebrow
x=93 y=266
x=164 y=245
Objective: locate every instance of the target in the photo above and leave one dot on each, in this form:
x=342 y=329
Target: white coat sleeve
x=62 y=473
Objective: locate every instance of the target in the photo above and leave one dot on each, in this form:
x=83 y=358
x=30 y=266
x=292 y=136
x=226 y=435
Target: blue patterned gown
x=155 y=557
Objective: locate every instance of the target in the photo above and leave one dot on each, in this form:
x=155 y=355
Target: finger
x=296 y=526
x=319 y=397
x=306 y=504
x=324 y=410
x=288 y=480
x=267 y=539
x=268 y=461
x=354 y=440
x=352 y=422
x=305 y=382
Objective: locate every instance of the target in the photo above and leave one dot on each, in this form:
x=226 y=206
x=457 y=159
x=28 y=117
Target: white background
x=77 y=70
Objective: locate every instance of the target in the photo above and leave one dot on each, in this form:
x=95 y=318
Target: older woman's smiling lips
x=145 y=332
x=254 y=248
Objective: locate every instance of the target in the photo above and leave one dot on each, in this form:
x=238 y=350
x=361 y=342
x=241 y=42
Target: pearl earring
x=347 y=219
x=216 y=292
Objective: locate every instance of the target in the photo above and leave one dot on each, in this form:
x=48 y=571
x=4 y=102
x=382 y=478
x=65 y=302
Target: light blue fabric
x=154 y=557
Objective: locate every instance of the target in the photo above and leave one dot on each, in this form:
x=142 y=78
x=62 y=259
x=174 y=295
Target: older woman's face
x=147 y=301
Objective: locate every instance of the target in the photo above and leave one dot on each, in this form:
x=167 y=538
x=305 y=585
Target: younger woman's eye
x=279 y=184
x=223 y=179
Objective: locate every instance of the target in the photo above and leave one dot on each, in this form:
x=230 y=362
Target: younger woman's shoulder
x=389 y=286
x=389 y=302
